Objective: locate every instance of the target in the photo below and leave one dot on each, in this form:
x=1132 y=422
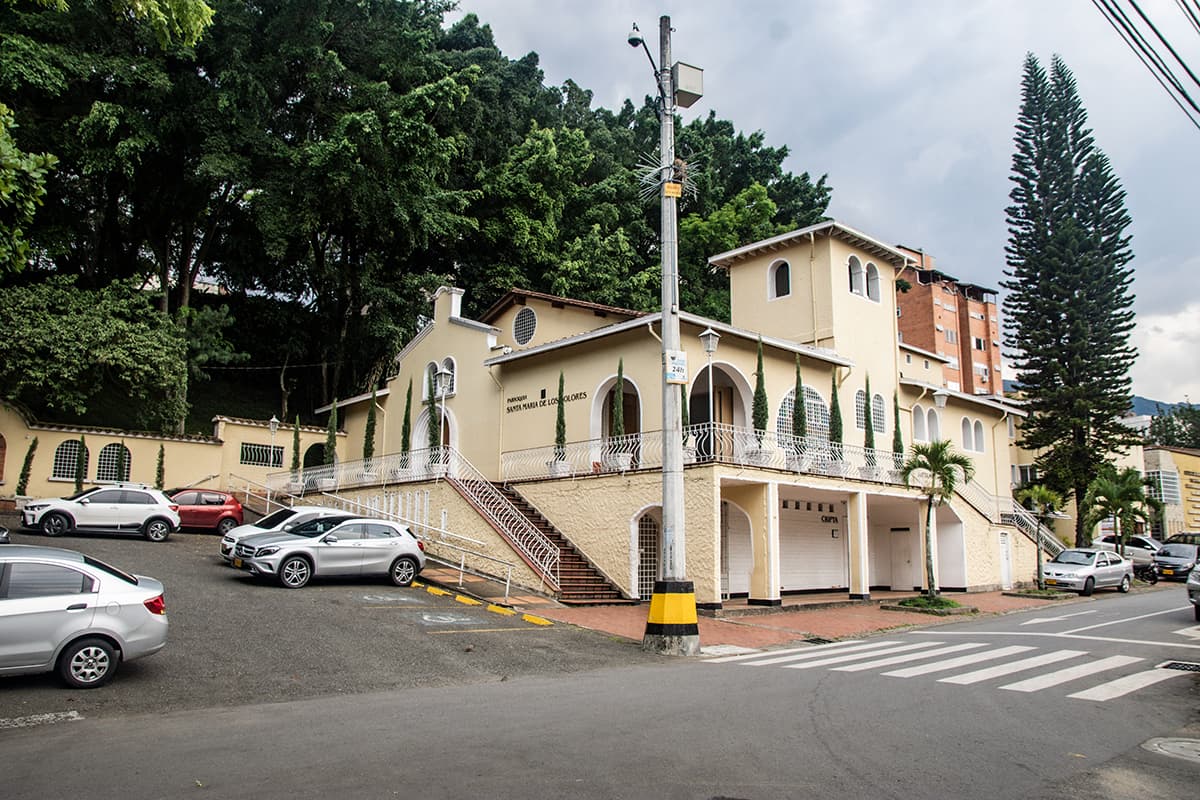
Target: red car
x=207 y=509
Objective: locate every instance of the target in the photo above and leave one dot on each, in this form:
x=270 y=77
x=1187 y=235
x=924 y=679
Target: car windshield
x=1073 y=557
x=1178 y=551
x=110 y=569
x=273 y=520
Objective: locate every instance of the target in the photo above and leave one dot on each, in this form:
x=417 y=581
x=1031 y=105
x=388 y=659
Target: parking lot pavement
x=236 y=640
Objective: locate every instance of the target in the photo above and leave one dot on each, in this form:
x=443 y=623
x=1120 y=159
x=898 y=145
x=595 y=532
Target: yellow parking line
x=483 y=630
x=437 y=591
x=500 y=610
x=468 y=601
x=536 y=620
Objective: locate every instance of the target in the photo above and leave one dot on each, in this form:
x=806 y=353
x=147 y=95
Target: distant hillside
x=1141 y=405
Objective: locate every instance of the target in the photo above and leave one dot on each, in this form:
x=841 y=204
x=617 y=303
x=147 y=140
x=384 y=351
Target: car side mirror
x=85 y=502
x=331 y=539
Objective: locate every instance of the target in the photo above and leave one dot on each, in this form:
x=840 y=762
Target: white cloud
x=1168 y=365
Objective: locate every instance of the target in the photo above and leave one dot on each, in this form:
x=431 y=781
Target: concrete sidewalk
x=802 y=618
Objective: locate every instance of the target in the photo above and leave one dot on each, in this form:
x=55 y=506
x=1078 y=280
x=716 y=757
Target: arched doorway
x=649 y=543
x=737 y=552
x=608 y=451
x=314 y=456
x=730 y=396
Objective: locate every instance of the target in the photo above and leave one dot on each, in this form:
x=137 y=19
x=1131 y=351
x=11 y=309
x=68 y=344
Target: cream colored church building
x=766 y=514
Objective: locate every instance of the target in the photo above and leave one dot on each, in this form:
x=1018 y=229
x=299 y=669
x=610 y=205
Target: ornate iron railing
x=705 y=443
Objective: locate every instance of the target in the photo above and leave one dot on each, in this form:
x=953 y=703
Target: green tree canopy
x=63 y=346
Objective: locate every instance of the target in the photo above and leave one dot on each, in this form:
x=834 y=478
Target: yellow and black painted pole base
x=671 y=628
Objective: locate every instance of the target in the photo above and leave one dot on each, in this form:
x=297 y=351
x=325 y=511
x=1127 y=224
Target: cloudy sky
x=909 y=107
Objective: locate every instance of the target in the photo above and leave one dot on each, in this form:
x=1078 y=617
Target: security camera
x=635 y=37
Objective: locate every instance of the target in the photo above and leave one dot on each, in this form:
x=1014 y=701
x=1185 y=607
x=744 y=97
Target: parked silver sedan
x=366 y=547
x=66 y=612
x=1084 y=570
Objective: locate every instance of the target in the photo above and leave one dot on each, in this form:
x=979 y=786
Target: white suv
x=131 y=507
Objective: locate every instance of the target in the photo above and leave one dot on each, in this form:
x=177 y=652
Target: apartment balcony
x=706 y=443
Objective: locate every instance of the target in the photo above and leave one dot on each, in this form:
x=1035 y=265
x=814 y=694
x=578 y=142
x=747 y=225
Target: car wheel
x=1124 y=587
x=226 y=525
x=156 y=530
x=87 y=664
x=404 y=571
x=1089 y=586
x=294 y=572
x=55 y=524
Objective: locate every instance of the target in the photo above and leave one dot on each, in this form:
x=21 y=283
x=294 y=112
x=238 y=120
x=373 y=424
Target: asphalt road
x=235 y=640
x=605 y=721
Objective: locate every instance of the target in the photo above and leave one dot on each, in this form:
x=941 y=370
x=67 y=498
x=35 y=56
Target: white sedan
x=1084 y=570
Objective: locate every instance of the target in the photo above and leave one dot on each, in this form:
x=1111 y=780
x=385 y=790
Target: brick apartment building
x=958 y=321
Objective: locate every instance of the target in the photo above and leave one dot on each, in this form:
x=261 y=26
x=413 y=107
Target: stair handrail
x=1029 y=525
x=543 y=554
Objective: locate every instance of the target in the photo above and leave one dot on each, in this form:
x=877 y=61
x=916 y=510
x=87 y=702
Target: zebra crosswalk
x=966 y=660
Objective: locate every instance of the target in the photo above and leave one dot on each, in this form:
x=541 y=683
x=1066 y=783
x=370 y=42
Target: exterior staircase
x=580 y=583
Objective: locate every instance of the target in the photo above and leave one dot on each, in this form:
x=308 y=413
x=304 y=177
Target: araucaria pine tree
x=1069 y=311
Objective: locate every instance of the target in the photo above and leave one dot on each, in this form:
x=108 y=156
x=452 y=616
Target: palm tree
x=1044 y=502
x=1122 y=496
x=939 y=467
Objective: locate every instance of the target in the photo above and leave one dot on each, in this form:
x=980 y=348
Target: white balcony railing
x=704 y=443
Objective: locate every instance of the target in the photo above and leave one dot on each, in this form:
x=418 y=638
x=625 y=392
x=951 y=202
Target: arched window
x=934 y=425
x=113 y=463
x=818 y=415
x=448 y=365
x=878 y=417
x=918 y=417
x=860 y=409
x=857 y=278
x=872 y=282
x=781 y=280
x=968 y=434
x=64 y=460
x=524 y=326
x=429 y=382
x=979 y=444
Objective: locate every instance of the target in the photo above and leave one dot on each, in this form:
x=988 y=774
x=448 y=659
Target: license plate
x=1168 y=572
x=237 y=562
x=1051 y=581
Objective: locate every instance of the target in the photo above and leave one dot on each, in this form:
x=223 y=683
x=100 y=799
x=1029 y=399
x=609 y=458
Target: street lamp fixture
x=443 y=379
x=940 y=397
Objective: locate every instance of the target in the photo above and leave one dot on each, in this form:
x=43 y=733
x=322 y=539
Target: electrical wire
x=1192 y=16
x=1130 y=40
x=1166 y=44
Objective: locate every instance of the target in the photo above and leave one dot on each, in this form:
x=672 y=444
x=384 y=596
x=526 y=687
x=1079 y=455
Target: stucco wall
x=599 y=515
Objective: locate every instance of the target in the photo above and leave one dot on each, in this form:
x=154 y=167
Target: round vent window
x=524 y=325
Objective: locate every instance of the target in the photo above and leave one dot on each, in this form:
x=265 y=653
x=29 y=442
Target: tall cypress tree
x=1069 y=308
x=760 y=413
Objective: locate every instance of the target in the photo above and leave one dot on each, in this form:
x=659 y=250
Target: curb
x=937 y=612
x=468 y=600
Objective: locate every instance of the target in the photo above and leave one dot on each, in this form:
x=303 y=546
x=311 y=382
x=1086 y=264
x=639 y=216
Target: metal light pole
x=709 y=339
x=442 y=380
x=273 y=424
x=671 y=627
